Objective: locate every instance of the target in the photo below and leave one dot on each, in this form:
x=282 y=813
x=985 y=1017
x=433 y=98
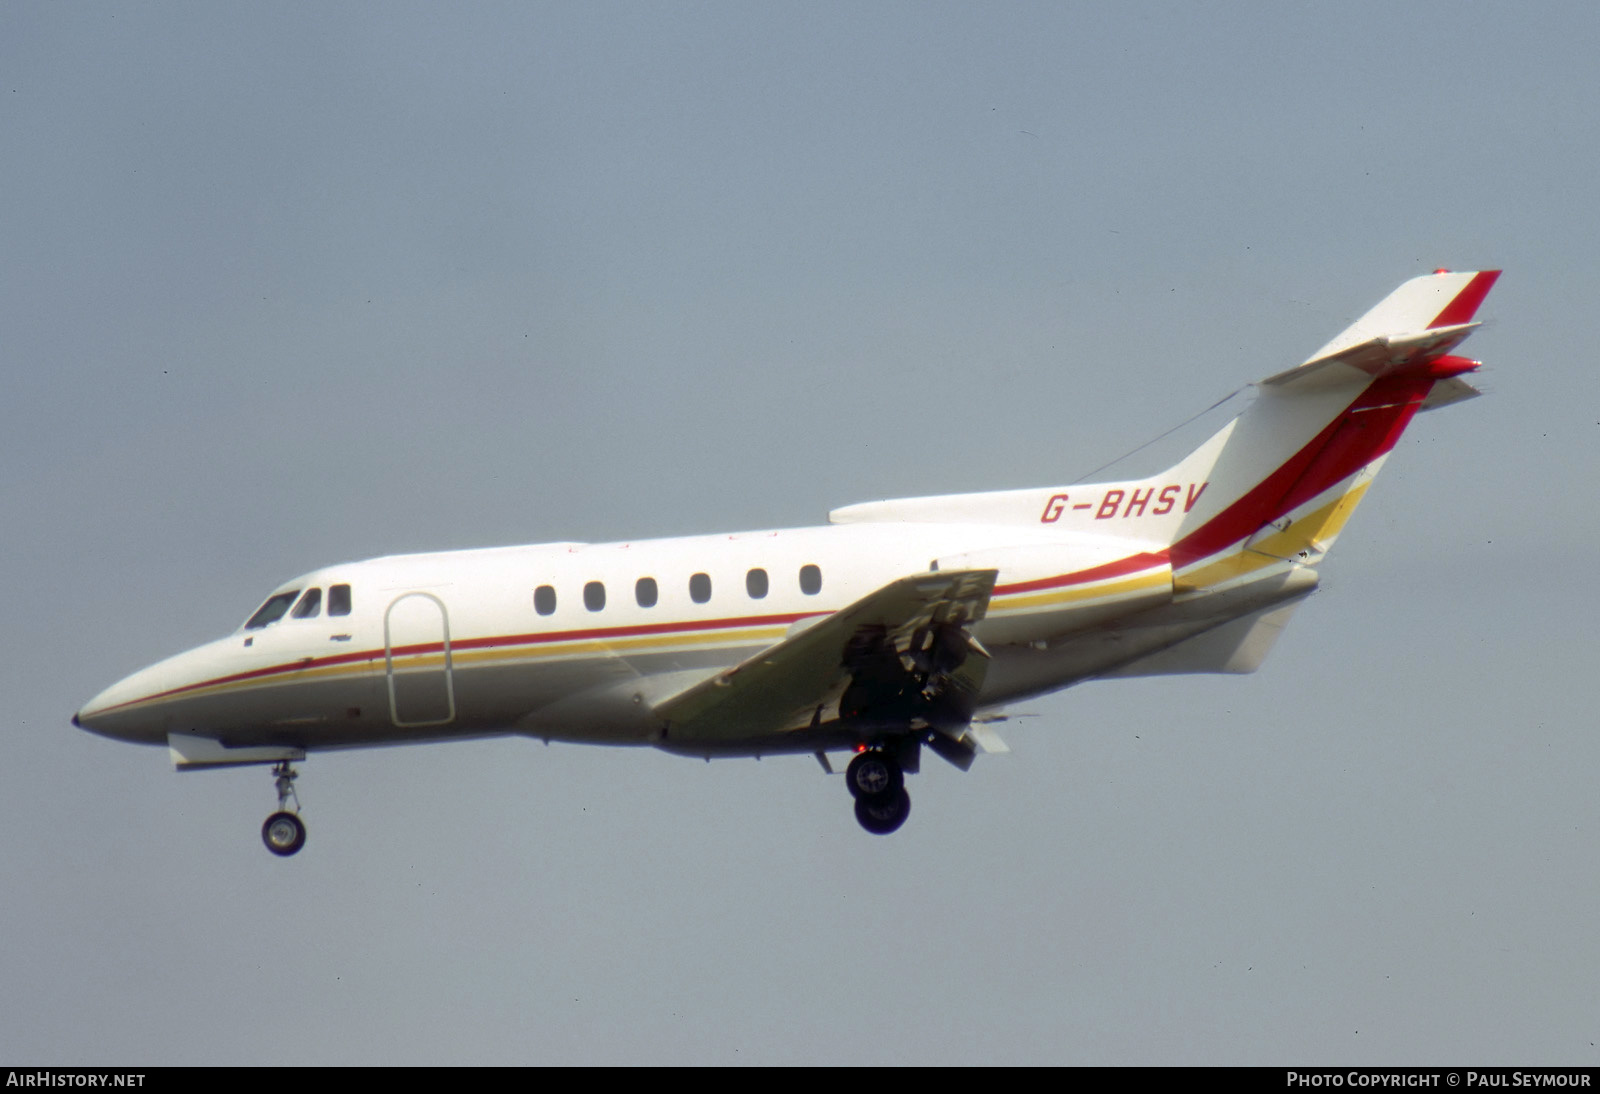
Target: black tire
x=886 y=815
x=873 y=775
x=283 y=833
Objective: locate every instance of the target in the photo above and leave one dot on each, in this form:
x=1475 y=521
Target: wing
x=897 y=655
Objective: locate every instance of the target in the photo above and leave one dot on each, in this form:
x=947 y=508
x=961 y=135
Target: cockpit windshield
x=272 y=610
x=309 y=606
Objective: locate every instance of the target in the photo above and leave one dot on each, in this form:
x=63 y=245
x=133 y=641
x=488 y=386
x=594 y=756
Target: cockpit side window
x=338 y=600
x=310 y=605
x=272 y=610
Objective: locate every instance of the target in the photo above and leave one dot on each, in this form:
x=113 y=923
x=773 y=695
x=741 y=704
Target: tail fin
x=1295 y=465
x=1283 y=478
x=1279 y=481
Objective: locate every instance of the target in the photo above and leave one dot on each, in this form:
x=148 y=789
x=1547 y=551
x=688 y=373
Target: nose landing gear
x=284 y=833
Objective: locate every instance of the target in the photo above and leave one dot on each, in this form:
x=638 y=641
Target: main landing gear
x=877 y=783
x=284 y=833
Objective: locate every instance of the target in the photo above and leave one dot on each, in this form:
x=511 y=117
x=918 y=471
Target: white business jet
x=899 y=624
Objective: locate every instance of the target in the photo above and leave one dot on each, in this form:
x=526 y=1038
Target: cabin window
x=645 y=592
x=810 y=580
x=755 y=583
x=594 y=596
x=310 y=605
x=338 y=600
x=700 y=588
x=544 y=599
x=272 y=610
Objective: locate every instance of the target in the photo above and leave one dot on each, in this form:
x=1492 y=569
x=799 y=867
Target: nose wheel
x=284 y=832
x=877 y=783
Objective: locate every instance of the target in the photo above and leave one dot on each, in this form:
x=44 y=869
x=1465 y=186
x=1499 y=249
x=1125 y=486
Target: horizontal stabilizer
x=1445 y=392
x=1371 y=359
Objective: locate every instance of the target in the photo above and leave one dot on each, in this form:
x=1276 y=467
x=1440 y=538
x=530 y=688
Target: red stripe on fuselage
x=1130 y=565
x=1367 y=429
x=602 y=633
x=1253 y=509
x=305 y=663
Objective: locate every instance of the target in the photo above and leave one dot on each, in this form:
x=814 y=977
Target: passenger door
x=417 y=661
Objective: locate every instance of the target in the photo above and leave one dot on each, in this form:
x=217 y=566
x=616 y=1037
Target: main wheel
x=880 y=817
x=283 y=833
x=873 y=774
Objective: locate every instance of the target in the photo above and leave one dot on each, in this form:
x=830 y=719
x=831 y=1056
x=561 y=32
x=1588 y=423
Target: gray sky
x=286 y=285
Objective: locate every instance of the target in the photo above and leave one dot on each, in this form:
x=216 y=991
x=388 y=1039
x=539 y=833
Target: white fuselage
x=456 y=644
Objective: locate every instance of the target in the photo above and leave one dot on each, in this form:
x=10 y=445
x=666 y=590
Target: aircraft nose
x=92 y=717
x=117 y=712
x=138 y=707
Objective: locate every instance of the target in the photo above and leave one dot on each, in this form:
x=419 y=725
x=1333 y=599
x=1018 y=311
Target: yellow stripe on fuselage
x=376 y=661
x=1311 y=533
x=1106 y=590
x=562 y=650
